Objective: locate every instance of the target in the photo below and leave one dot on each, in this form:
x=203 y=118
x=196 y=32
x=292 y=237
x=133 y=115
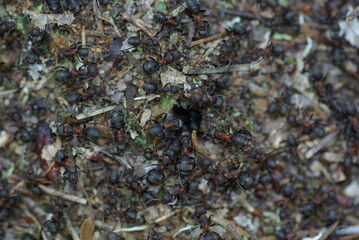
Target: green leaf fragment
x=162 y=7
x=166 y=101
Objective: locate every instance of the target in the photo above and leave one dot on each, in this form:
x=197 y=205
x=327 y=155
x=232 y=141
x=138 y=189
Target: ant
x=255 y=54
x=74 y=6
x=324 y=92
x=205 y=224
x=36 y=37
x=162 y=130
x=68 y=131
x=152 y=65
x=179 y=192
x=282 y=104
x=150 y=42
x=287 y=21
x=292 y=143
x=186 y=143
x=170 y=21
x=240 y=139
x=185 y=165
x=315 y=130
x=74 y=97
x=156 y=236
x=135 y=185
x=74 y=51
x=71 y=169
x=56 y=222
x=226 y=50
x=64 y=75
x=242 y=179
x=7 y=26
x=152 y=88
x=55 y=6
x=194 y=8
x=199 y=97
x=31 y=183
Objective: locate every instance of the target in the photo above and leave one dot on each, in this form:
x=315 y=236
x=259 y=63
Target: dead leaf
x=87 y=228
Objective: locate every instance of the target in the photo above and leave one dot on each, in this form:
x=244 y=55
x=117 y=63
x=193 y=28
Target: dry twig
x=68 y=197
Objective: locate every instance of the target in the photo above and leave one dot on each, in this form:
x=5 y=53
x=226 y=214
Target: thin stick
x=208 y=39
x=227 y=223
x=138 y=23
x=111 y=228
x=6 y=92
x=232 y=68
x=195 y=144
x=72 y=231
x=160 y=219
x=95 y=112
x=329 y=231
x=48 y=170
x=37 y=223
x=355 y=236
x=68 y=197
x=323 y=143
x=237 y=13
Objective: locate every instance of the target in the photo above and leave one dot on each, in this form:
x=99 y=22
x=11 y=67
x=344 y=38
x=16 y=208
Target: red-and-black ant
x=180 y=192
x=240 y=139
x=151 y=65
x=31 y=183
x=201 y=98
x=74 y=51
x=64 y=75
x=36 y=38
x=164 y=19
x=315 y=130
x=205 y=224
x=162 y=130
x=56 y=222
x=71 y=168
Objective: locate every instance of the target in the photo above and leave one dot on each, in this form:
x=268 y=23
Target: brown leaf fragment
x=87 y=229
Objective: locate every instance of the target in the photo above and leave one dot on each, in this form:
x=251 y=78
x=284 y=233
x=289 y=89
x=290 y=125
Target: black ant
x=205 y=224
x=170 y=21
x=240 y=139
x=55 y=6
x=162 y=130
x=74 y=51
x=194 y=8
x=292 y=143
x=150 y=42
x=179 y=192
x=256 y=54
x=201 y=98
x=315 y=130
x=56 y=222
x=36 y=37
x=152 y=88
x=152 y=65
x=186 y=143
x=74 y=6
x=74 y=97
x=31 y=183
x=7 y=26
x=64 y=75
x=64 y=130
x=71 y=169
x=282 y=104
x=135 y=185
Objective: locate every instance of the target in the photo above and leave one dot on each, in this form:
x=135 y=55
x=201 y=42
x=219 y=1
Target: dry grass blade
x=68 y=197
